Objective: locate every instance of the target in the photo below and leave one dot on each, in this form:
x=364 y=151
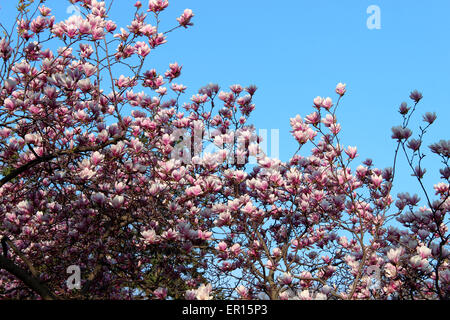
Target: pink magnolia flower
x=235 y=249
x=418 y=262
x=270 y=265
x=98 y=33
x=285 y=295
x=123 y=35
x=5 y=132
x=320 y=296
x=96 y=158
x=226 y=266
x=117 y=149
x=89 y=69
x=9 y=104
x=142 y=48
x=160 y=293
x=254 y=149
x=148 y=30
x=84 y=27
x=38 y=24
x=25 y=207
x=239 y=176
x=117 y=201
x=441 y=188
x=304 y=295
x=351 y=152
x=296 y=123
x=157 y=40
x=170 y=234
x=340 y=88
x=445 y=276
x=31 y=138
x=194 y=191
x=110 y=26
x=174 y=71
x=395 y=254
x=190 y=294
x=227 y=97
x=242 y=291
x=376 y=180
x=302 y=132
x=424 y=252
x=157 y=5
x=236 y=88
x=10 y=84
x=174 y=204
x=318 y=101
x=119 y=187
x=161 y=90
x=276 y=252
x=286 y=278
x=313 y=118
x=204 y=292
x=199 y=98
x=222 y=246
x=248 y=208
x=178 y=87
x=343 y=241
x=185 y=19
x=21 y=67
x=361 y=171
x=84 y=85
x=123 y=82
x=224 y=219
x=149 y=236
x=204 y=235
x=45 y=11
x=329 y=120
x=113 y=131
x=390 y=270
x=335 y=128
x=327 y=103
x=86 y=174
x=11 y=216
x=98 y=197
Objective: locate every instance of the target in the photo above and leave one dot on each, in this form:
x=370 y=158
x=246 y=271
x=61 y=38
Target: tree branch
x=30 y=281
x=16 y=172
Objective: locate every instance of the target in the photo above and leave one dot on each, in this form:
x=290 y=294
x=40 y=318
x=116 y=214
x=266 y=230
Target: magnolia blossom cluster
x=154 y=199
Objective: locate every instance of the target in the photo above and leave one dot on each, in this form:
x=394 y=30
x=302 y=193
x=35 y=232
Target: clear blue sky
x=295 y=50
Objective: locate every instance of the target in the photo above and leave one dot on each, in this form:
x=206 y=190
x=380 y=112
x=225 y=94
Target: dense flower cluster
x=138 y=204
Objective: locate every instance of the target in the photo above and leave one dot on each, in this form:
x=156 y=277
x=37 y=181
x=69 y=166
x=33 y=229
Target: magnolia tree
x=105 y=172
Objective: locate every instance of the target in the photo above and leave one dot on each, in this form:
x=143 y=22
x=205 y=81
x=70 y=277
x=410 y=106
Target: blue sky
x=296 y=50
